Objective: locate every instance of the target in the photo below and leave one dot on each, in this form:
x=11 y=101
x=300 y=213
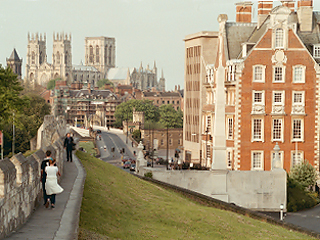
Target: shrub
x=136 y=135
x=148 y=174
x=305 y=174
x=298 y=197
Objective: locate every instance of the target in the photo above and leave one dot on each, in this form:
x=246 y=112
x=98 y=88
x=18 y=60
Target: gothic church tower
x=36 y=55
x=15 y=63
x=100 y=52
x=62 y=57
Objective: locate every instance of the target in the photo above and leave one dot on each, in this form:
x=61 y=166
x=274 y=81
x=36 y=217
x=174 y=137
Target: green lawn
x=89 y=147
x=117 y=205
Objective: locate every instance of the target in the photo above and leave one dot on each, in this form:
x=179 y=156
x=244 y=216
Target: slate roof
x=84 y=68
x=84 y=92
x=237 y=33
x=14 y=56
x=118 y=73
x=161 y=94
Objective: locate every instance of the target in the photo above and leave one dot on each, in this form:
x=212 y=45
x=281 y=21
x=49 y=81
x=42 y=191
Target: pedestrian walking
x=52 y=186
x=43 y=178
x=68 y=145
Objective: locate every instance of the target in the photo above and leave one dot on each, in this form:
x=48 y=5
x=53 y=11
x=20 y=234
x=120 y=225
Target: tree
x=10 y=99
x=125 y=110
x=101 y=83
x=170 y=117
x=52 y=83
x=27 y=124
x=305 y=174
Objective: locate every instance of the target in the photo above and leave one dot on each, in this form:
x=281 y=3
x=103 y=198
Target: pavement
x=60 y=223
x=309 y=219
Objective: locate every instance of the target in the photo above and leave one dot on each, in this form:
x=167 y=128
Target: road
x=110 y=139
x=309 y=219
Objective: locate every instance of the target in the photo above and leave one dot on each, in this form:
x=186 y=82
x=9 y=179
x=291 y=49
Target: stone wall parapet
x=20 y=185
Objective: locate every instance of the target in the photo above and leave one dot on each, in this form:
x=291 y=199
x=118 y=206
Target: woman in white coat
x=52 y=186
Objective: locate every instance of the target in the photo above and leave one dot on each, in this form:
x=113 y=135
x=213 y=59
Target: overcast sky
x=145 y=30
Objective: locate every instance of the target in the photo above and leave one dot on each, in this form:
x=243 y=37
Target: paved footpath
x=62 y=222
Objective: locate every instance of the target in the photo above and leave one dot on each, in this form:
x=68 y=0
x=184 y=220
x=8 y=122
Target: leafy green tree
x=170 y=117
x=101 y=83
x=125 y=110
x=27 y=124
x=136 y=135
x=52 y=84
x=305 y=174
x=10 y=99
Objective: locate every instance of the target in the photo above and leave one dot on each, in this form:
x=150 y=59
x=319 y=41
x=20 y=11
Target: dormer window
x=316 y=51
x=279 y=38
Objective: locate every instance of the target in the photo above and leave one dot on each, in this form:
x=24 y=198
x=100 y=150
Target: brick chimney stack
x=244 y=12
x=289 y=3
x=264 y=8
x=305 y=13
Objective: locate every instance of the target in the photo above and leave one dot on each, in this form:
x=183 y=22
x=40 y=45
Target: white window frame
x=279 y=44
x=316 y=51
x=229 y=128
x=303 y=98
x=282 y=98
x=303 y=74
x=274 y=74
x=253 y=139
x=262 y=99
x=302 y=130
x=261 y=168
x=293 y=152
x=281 y=130
x=263 y=73
x=281 y=158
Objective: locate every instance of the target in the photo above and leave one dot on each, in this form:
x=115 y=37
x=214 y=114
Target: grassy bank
x=120 y=206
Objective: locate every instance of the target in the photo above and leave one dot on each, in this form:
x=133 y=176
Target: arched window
x=279 y=38
x=97 y=54
x=58 y=57
x=33 y=58
x=90 y=54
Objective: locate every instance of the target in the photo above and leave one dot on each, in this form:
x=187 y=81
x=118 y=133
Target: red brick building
x=271 y=87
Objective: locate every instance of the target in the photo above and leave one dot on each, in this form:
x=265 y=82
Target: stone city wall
x=255 y=190
x=20 y=186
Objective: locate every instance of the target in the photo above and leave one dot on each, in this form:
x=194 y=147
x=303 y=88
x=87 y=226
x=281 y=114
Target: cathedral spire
x=154 y=64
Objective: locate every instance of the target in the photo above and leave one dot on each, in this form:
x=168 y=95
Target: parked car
x=98 y=131
x=127 y=164
x=132 y=167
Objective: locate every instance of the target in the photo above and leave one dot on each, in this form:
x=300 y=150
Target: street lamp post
x=207 y=146
x=127 y=127
x=152 y=149
x=167 y=145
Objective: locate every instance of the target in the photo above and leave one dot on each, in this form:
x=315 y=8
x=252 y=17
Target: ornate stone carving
x=279 y=57
x=277 y=109
x=258 y=109
x=298 y=109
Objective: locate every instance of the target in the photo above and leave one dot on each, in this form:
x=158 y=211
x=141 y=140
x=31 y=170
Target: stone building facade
x=15 y=63
x=100 y=53
x=146 y=79
x=271 y=88
x=38 y=70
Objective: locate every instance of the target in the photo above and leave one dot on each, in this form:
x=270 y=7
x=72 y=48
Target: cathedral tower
x=100 y=52
x=61 y=56
x=36 y=55
x=15 y=63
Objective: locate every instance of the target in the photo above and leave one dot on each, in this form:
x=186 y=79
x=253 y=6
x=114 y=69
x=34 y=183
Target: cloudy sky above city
x=145 y=30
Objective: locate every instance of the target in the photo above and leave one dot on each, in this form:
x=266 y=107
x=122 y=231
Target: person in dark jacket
x=68 y=145
x=45 y=163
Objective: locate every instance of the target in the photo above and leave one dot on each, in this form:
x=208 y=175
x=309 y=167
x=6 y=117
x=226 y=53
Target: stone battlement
x=20 y=186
